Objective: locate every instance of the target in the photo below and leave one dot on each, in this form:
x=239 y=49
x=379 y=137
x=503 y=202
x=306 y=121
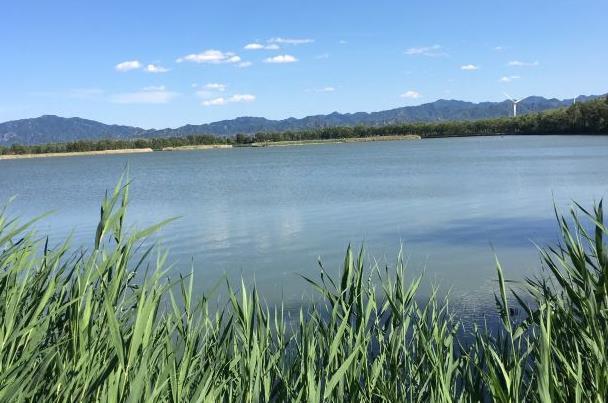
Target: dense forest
x=581 y=118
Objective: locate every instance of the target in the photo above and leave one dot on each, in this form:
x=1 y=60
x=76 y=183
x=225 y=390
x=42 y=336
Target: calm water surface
x=269 y=214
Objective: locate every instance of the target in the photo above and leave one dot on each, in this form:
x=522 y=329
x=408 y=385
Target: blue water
x=268 y=214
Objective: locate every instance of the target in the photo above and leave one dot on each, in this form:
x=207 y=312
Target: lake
x=268 y=214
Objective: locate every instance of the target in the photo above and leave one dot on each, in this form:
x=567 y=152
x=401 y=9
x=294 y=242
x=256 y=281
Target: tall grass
x=85 y=328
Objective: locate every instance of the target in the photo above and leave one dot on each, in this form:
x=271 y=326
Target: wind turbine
x=515 y=102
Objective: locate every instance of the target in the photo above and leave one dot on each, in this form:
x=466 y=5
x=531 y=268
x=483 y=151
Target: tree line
x=582 y=118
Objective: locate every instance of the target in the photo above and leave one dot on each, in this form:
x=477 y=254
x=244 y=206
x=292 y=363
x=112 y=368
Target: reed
x=108 y=325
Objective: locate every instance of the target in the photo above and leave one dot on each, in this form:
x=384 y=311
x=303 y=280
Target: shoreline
x=406 y=137
x=287 y=143
x=198 y=147
x=75 y=153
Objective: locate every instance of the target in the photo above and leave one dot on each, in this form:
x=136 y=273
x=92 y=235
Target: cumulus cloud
x=411 y=94
x=291 y=41
x=281 y=59
x=508 y=79
x=154 y=68
x=236 y=98
x=244 y=64
x=147 y=95
x=211 y=56
x=519 y=63
x=128 y=66
x=469 y=67
x=431 y=51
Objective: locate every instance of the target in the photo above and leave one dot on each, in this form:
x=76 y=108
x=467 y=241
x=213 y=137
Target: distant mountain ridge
x=54 y=129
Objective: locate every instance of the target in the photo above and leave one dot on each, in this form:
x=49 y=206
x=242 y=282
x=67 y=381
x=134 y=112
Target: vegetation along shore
x=582 y=118
x=86 y=327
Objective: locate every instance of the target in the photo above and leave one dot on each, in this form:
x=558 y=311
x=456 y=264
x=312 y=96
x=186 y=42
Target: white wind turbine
x=515 y=102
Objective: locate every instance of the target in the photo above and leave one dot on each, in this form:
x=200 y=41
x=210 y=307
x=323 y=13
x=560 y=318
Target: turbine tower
x=515 y=102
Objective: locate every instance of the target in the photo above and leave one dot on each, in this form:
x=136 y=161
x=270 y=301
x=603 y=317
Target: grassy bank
x=583 y=118
x=84 y=328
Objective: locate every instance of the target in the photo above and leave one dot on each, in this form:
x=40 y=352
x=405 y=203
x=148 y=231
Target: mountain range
x=54 y=129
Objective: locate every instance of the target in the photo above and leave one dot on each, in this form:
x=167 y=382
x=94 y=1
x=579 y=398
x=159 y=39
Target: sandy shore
x=76 y=154
x=200 y=147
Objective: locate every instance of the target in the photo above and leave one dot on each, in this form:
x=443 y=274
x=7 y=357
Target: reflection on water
x=511 y=232
x=269 y=214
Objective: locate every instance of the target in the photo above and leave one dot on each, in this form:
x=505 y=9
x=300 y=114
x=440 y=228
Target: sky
x=171 y=63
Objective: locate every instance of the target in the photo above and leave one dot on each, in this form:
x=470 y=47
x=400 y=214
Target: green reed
x=84 y=327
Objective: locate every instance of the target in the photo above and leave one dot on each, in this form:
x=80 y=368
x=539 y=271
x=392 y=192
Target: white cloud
x=214 y=102
x=519 y=63
x=236 y=98
x=291 y=41
x=244 y=64
x=254 y=46
x=322 y=56
x=469 y=67
x=508 y=79
x=147 y=95
x=411 y=94
x=154 y=68
x=259 y=46
x=242 y=98
x=211 y=56
x=155 y=88
x=342 y=42
x=211 y=90
x=137 y=65
x=322 y=89
x=281 y=59
x=128 y=65
x=216 y=87
x=431 y=51
x=499 y=48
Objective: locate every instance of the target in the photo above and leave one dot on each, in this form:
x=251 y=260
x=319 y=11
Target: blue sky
x=166 y=64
